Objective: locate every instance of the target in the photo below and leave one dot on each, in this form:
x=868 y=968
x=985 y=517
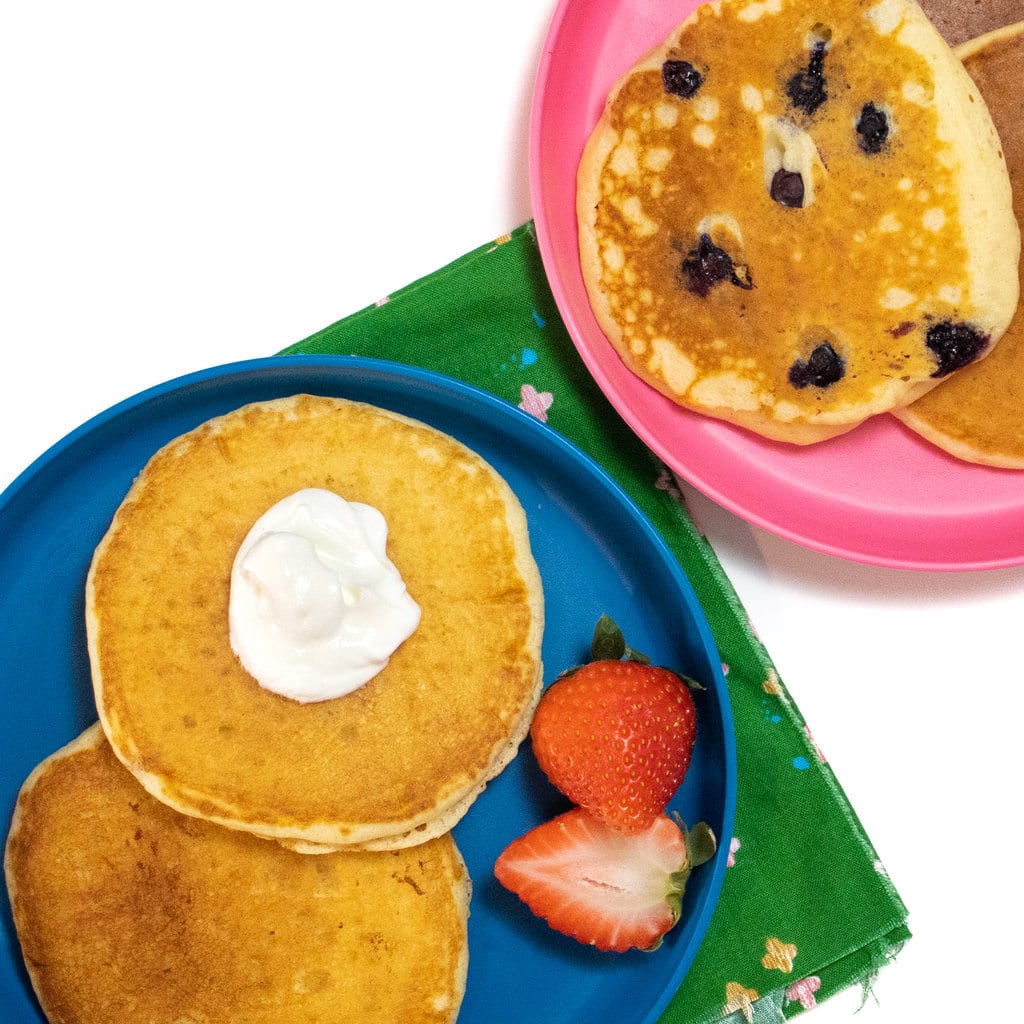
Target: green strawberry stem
x=700 y=848
x=700 y=844
x=609 y=644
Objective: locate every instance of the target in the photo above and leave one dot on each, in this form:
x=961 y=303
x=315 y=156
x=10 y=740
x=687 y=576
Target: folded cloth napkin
x=806 y=908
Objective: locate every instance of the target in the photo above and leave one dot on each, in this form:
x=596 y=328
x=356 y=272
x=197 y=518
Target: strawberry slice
x=603 y=887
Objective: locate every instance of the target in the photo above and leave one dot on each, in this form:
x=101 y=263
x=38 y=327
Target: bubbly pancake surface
x=978 y=414
x=392 y=763
x=794 y=216
x=129 y=911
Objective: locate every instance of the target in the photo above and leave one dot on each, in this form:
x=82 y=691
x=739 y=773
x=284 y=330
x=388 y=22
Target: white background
x=188 y=184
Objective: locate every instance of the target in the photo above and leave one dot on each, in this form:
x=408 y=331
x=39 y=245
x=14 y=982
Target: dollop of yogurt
x=316 y=607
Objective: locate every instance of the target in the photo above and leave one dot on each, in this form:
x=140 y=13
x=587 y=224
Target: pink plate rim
x=879 y=495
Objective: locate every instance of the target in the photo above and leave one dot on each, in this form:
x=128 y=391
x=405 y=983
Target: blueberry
x=706 y=265
x=681 y=78
x=954 y=345
x=872 y=128
x=787 y=188
x=824 y=366
x=806 y=89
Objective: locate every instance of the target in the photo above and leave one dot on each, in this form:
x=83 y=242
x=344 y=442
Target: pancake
x=960 y=21
x=128 y=911
x=393 y=763
x=795 y=216
x=978 y=414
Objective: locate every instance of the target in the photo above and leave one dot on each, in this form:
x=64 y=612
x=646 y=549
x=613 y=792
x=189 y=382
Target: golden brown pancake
x=396 y=761
x=795 y=216
x=128 y=911
x=978 y=414
x=962 y=20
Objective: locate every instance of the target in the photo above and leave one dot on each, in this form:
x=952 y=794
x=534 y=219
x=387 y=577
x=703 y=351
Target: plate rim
x=393 y=372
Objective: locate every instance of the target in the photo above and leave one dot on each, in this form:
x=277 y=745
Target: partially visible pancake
x=129 y=912
x=794 y=216
x=962 y=20
x=393 y=763
x=978 y=414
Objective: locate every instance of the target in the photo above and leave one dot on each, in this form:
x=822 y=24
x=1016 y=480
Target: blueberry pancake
x=978 y=414
x=129 y=912
x=794 y=216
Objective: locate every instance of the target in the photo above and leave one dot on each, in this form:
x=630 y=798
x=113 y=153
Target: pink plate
x=879 y=494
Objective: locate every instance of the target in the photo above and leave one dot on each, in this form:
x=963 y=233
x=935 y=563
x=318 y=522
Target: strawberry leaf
x=700 y=844
x=609 y=644
x=689 y=680
x=632 y=654
x=677 y=883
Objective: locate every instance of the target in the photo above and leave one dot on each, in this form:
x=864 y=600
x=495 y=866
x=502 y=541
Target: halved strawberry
x=601 y=886
x=616 y=737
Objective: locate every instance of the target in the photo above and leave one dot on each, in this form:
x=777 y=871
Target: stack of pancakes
x=795 y=217
x=164 y=901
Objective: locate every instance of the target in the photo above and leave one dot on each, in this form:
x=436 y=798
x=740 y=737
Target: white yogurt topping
x=316 y=607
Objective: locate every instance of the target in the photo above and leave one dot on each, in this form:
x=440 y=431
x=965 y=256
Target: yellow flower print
x=500 y=240
x=739 y=998
x=778 y=956
x=771 y=684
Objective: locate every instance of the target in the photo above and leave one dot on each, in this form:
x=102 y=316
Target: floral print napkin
x=806 y=908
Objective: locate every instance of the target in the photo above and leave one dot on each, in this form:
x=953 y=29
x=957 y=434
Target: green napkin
x=806 y=908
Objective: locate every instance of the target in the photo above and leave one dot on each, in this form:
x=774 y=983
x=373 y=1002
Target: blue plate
x=596 y=552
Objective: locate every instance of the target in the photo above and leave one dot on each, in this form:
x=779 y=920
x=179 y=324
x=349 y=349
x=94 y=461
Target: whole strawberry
x=616 y=736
